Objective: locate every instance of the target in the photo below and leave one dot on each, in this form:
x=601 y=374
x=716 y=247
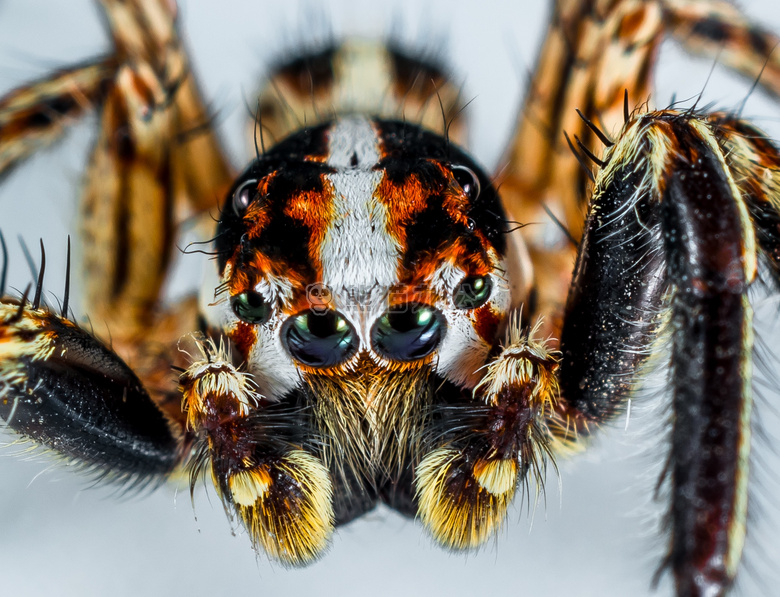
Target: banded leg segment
x=594 y=53
x=668 y=199
x=35 y=116
x=144 y=32
x=718 y=28
x=154 y=135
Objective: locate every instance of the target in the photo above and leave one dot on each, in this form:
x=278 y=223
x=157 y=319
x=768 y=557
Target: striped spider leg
x=360 y=341
x=682 y=208
x=155 y=163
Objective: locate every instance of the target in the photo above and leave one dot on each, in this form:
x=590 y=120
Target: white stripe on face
x=358 y=254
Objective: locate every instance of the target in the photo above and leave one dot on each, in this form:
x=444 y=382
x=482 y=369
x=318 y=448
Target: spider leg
x=64 y=389
x=156 y=161
x=595 y=66
x=669 y=250
x=145 y=32
x=34 y=116
x=137 y=189
x=719 y=29
x=755 y=162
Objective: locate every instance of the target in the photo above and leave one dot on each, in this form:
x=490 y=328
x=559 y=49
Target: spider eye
x=408 y=332
x=251 y=307
x=468 y=180
x=319 y=339
x=472 y=292
x=244 y=195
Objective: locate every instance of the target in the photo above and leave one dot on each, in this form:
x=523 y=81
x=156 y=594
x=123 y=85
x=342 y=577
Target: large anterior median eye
x=319 y=339
x=472 y=292
x=251 y=307
x=408 y=332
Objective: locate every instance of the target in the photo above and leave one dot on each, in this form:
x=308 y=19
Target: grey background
x=596 y=537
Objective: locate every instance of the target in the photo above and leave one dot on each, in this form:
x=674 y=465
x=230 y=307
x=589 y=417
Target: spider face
x=362 y=241
x=361 y=341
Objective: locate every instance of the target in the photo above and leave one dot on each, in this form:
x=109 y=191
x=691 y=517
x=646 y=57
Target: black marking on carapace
x=310 y=73
x=86 y=404
x=408 y=149
x=296 y=171
x=286 y=238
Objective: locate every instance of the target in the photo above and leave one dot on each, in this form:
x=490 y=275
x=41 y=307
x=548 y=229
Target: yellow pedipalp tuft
x=524 y=361
x=459 y=512
x=291 y=517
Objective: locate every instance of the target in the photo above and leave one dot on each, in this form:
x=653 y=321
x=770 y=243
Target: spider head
x=362 y=241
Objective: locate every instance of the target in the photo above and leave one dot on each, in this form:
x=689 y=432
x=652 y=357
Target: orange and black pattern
x=381 y=323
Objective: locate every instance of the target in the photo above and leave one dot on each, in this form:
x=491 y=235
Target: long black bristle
x=560 y=225
x=66 y=296
x=596 y=130
x=589 y=153
x=4 y=273
x=39 y=286
x=29 y=259
x=20 y=311
x=626 y=115
x=579 y=158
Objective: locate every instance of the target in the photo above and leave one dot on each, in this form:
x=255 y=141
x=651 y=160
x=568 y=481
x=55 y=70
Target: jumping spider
x=601 y=121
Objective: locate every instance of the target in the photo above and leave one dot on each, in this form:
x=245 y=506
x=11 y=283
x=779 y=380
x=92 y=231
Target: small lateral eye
x=251 y=307
x=244 y=195
x=468 y=180
x=472 y=292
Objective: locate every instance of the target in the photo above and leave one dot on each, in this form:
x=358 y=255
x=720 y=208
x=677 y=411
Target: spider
x=50 y=260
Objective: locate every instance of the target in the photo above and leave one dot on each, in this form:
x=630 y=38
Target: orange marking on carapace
x=257 y=215
x=315 y=211
x=403 y=202
x=455 y=253
x=242 y=279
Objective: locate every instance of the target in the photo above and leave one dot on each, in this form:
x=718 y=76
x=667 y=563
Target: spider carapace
x=381 y=325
